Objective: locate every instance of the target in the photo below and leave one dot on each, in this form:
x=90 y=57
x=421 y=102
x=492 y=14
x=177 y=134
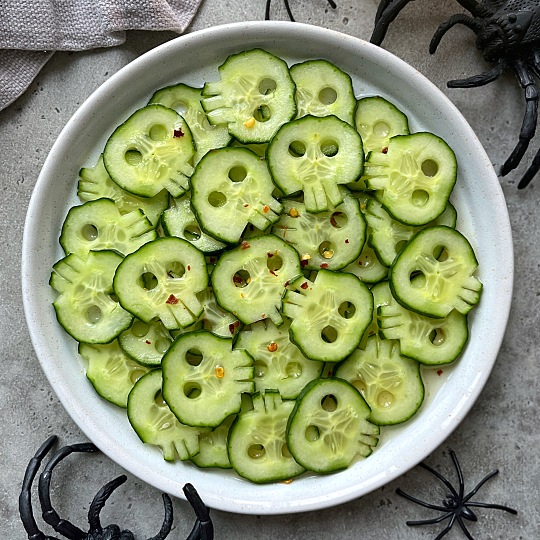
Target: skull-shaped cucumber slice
x=204 y=378
x=330 y=314
x=323 y=89
x=98 y=225
x=389 y=381
x=314 y=155
x=329 y=426
x=154 y=423
x=413 y=177
x=161 y=279
x=250 y=280
x=151 y=151
x=86 y=307
x=254 y=96
x=258 y=440
x=434 y=273
x=331 y=239
x=232 y=187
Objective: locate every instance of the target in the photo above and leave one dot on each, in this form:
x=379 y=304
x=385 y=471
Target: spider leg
x=460 y=18
x=476 y=8
x=486 y=505
x=387 y=11
x=464 y=528
x=459 y=474
x=167 y=521
x=430 y=521
x=203 y=528
x=287 y=7
x=440 y=477
x=25 y=498
x=447 y=529
x=481 y=79
x=99 y=501
x=49 y=514
x=420 y=502
x=534 y=167
x=528 y=127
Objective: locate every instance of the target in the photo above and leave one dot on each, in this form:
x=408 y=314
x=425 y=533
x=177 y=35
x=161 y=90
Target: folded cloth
x=32 y=30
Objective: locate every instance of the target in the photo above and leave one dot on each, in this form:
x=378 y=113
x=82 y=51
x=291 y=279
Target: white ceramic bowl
x=193 y=59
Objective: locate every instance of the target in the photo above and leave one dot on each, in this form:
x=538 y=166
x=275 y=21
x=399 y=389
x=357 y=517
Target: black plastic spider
x=457 y=506
x=331 y=3
x=508 y=33
x=202 y=530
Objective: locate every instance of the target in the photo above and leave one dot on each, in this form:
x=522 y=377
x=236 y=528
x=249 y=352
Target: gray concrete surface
x=500 y=431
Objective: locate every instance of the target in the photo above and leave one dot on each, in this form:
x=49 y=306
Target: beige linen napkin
x=32 y=30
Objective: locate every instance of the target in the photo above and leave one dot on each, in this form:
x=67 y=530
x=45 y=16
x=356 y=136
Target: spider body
x=202 y=530
x=457 y=506
x=508 y=35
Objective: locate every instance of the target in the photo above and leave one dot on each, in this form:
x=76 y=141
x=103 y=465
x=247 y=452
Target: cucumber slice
x=377 y=120
x=429 y=341
x=151 y=151
x=331 y=239
x=111 y=372
x=186 y=101
x=314 y=155
x=389 y=382
x=330 y=314
x=329 y=426
x=278 y=363
x=99 y=225
x=146 y=342
x=95 y=183
x=203 y=378
x=414 y=178
x=388 y=236
x=85 y=307
x=214 y=318
x=257 y=441
x=154 y=422
x=254 y=96
x=323 y=89
x=250 y=280
x=367 y=267
x=161 y=279
x=232 y=187
x=179 y=220
x=213 y=447
x=434 y=273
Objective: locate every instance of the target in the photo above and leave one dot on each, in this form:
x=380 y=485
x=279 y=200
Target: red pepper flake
x=287 y=283
x=304 y=285
x=270 y=254
x=304 y=262
x=385 y=150
x=346 y=240
x=172 y=300
x=189 y=268
x=246 y=205
x=237 y=279
x=440 y=372
x=212 y=260
x=178 y=133
x=233 y=326
x=273 y=273
x=245 y=245
x=272 y=346
x=266 y=209
x=324 y=265
x=360 y=263
x=148 y=342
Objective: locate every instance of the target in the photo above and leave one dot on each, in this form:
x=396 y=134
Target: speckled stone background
x=500 y=431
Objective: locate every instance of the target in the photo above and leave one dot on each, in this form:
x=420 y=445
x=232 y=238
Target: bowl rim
x=342 y=493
